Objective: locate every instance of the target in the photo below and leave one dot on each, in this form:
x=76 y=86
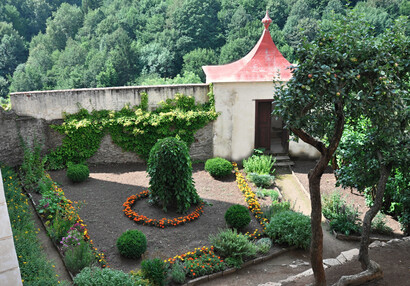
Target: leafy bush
x=205 y=263
x=77 y=172
x=154 y=270
x=170 y=169
x=342 y=217
x=218 y=167
x=79 y=257
x=237 y=216
x=95 y=276
x=379 y=224
x=178 y=273
x=264 y=245
x=230 y=243
x=132 y=244
x=37 y=270
x=274 y=208
x=259 y=164
x=261 y=180
x=273 y=194
x=290 y=227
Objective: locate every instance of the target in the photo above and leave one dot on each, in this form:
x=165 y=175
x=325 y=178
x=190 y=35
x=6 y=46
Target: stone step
x=283 y=164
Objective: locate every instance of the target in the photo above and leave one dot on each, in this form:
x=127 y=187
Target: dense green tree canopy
x=123 y=42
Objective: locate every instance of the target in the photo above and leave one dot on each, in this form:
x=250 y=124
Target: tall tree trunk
x=371 y=213
x=316 y=247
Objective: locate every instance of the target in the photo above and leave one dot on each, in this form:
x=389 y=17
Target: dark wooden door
x=263 y=123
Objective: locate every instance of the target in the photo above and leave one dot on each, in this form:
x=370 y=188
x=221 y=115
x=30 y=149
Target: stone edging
x=344 y=257
x=229 y=271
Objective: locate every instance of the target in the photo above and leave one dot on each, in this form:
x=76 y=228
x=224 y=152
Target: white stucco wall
x=52 y=104
x=234 y=130
x=9 y=266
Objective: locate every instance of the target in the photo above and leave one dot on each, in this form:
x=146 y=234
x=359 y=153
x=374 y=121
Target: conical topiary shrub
x=170 y=169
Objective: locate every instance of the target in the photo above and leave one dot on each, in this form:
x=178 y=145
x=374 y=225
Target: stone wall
x=52 y=104
x=33 y=113
x=9 y=266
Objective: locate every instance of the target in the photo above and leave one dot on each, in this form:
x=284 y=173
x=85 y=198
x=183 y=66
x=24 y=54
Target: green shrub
x=274 y=208
x=237 y=216
x=132 y=244
x=260 y=164
x=261 y=180
x=264 y=245
x=291 y=228
x=342 y=218
x=170 y=169
x=218 y=167
x=77 y=172
x=230 y=243
x=95 y=276
x=79 y=257
x=379 y=224
x=154 y=270
x=273 y=194
x=178 y=273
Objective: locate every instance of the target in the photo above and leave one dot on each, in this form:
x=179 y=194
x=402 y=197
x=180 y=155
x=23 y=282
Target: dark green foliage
x=218 y=167
x=132 y=244
x=154 y=270
x=237 y=216
x=77 y=172
x=170 y=171
x=342 y=218
x=36 y=270
x=124 y=40
x=290 y=227
x=95 y=276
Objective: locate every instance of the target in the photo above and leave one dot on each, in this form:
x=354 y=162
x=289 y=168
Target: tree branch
x=309 y=139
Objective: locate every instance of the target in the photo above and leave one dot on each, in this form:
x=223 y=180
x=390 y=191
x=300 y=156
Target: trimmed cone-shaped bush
x=132 y=244
x=237 y=216
x=170 y=169
x=78 y=172
x=218 y=167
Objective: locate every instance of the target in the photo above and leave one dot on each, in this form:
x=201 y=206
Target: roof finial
x=266 y=21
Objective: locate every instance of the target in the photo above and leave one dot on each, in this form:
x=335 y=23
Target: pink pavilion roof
x=263 y=63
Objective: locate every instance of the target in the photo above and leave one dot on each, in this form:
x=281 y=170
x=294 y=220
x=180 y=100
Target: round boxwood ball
x=237 y=216
x=218 y=167
x=132 y=244
x=78 y=172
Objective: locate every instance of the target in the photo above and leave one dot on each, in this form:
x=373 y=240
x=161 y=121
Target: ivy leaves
x=133 y=129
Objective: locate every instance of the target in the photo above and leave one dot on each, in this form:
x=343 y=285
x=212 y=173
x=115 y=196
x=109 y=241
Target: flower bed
x=252 y=201
x=34 y=267
x=161 y=223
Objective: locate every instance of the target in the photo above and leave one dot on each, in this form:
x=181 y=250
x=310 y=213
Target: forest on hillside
x=64 y=44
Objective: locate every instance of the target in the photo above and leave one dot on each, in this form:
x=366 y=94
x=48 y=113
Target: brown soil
x=109 y=186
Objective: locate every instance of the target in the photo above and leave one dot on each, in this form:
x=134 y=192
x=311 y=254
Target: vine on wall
x=134 y=129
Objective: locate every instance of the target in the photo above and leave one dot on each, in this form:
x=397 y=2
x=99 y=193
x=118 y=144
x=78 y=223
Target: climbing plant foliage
x=135 y=129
